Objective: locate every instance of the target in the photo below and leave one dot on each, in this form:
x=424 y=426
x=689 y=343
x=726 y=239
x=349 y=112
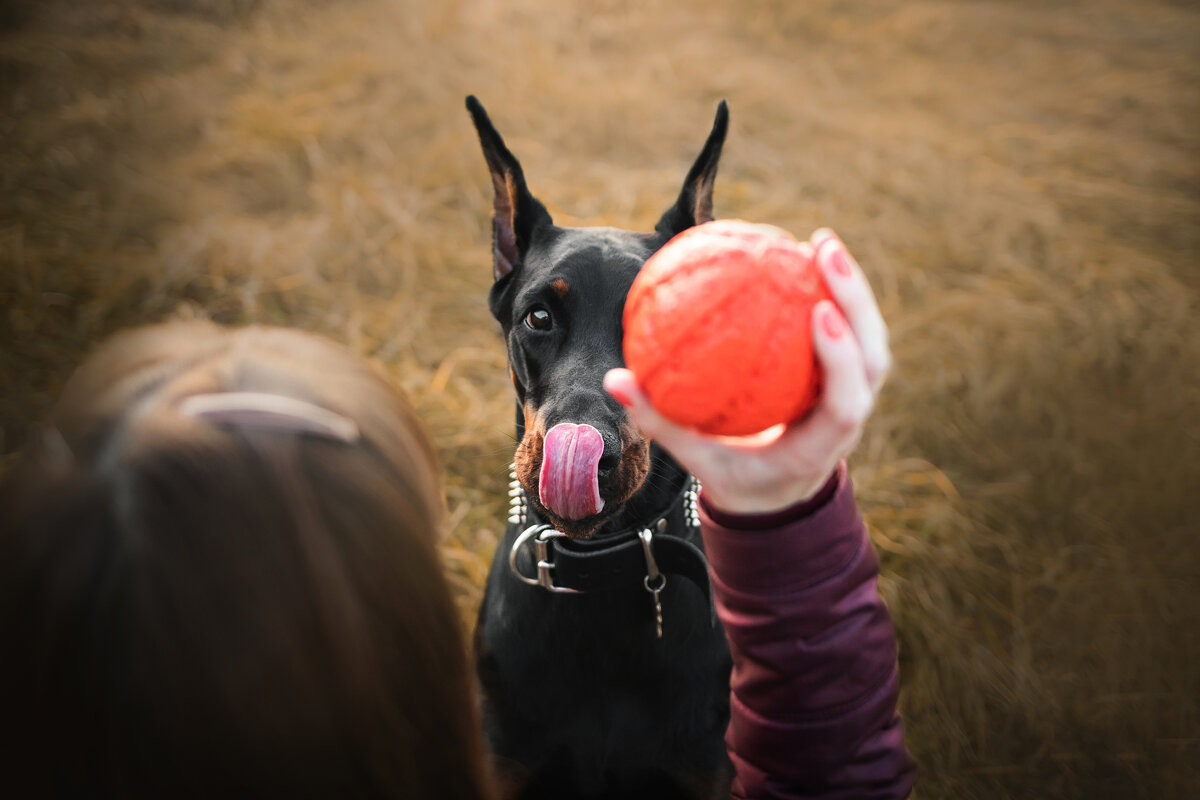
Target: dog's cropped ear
x=694 y=205
x=516 y=212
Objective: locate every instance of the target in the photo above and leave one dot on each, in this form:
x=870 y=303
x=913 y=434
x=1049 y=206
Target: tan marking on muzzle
x=635 y=464
x=528 y=458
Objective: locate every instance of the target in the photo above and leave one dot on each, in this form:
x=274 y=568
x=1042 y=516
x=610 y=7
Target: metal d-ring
x=653 y=575
x=541 y=536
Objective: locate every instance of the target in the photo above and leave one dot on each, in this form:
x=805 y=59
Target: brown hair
x=191 y=605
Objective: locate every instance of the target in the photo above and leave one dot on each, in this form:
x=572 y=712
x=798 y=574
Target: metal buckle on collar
x=541 y=536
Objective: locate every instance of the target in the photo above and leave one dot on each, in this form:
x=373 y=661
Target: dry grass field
x=1020 y=179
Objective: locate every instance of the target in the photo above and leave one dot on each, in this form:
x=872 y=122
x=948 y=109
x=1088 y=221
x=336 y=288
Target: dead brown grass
x=1019 y=179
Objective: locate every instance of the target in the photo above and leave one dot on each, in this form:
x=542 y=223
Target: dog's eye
x=539 y=319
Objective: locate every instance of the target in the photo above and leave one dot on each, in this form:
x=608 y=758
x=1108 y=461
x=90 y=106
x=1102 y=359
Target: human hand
x=788 y=464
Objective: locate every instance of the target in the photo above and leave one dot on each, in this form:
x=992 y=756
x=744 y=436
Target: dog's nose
x=608 y=463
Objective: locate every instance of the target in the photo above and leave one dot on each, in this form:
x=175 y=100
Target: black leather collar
x=629 y=560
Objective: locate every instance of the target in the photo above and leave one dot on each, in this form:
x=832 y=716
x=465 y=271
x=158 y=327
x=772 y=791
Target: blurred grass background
x=1021 y=181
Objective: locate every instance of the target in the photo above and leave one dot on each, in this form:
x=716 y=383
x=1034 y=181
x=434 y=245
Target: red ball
x=718 y=328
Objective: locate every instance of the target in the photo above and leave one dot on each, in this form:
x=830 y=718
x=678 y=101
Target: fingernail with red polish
x=840 y=262
x=621 y=397
x=832 y=323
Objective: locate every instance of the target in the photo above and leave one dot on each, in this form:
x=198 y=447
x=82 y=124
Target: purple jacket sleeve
x=815 y=682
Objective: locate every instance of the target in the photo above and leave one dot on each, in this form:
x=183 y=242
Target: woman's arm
x=814 y=685
x=813 y=703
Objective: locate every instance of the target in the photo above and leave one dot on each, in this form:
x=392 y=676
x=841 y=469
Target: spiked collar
x=641 y=556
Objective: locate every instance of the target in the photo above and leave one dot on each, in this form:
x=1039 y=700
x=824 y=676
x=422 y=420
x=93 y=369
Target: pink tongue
x=568 y=484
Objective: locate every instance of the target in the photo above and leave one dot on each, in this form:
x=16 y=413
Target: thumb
x=623 y=386
x=683 y=443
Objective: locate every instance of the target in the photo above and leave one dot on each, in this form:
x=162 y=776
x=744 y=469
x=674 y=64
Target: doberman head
x=559 y=294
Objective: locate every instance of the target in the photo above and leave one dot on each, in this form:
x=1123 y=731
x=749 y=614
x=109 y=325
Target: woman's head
x=218 y=573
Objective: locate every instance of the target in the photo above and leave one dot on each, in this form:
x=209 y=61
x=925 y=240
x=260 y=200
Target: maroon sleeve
x=814 y=686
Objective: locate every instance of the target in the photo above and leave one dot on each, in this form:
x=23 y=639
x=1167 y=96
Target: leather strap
x=635 y=558
x=607 y=565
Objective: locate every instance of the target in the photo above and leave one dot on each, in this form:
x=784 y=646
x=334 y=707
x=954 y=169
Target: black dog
x=603 y=669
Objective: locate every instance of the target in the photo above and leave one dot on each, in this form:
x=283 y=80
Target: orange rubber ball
x=718 y=328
